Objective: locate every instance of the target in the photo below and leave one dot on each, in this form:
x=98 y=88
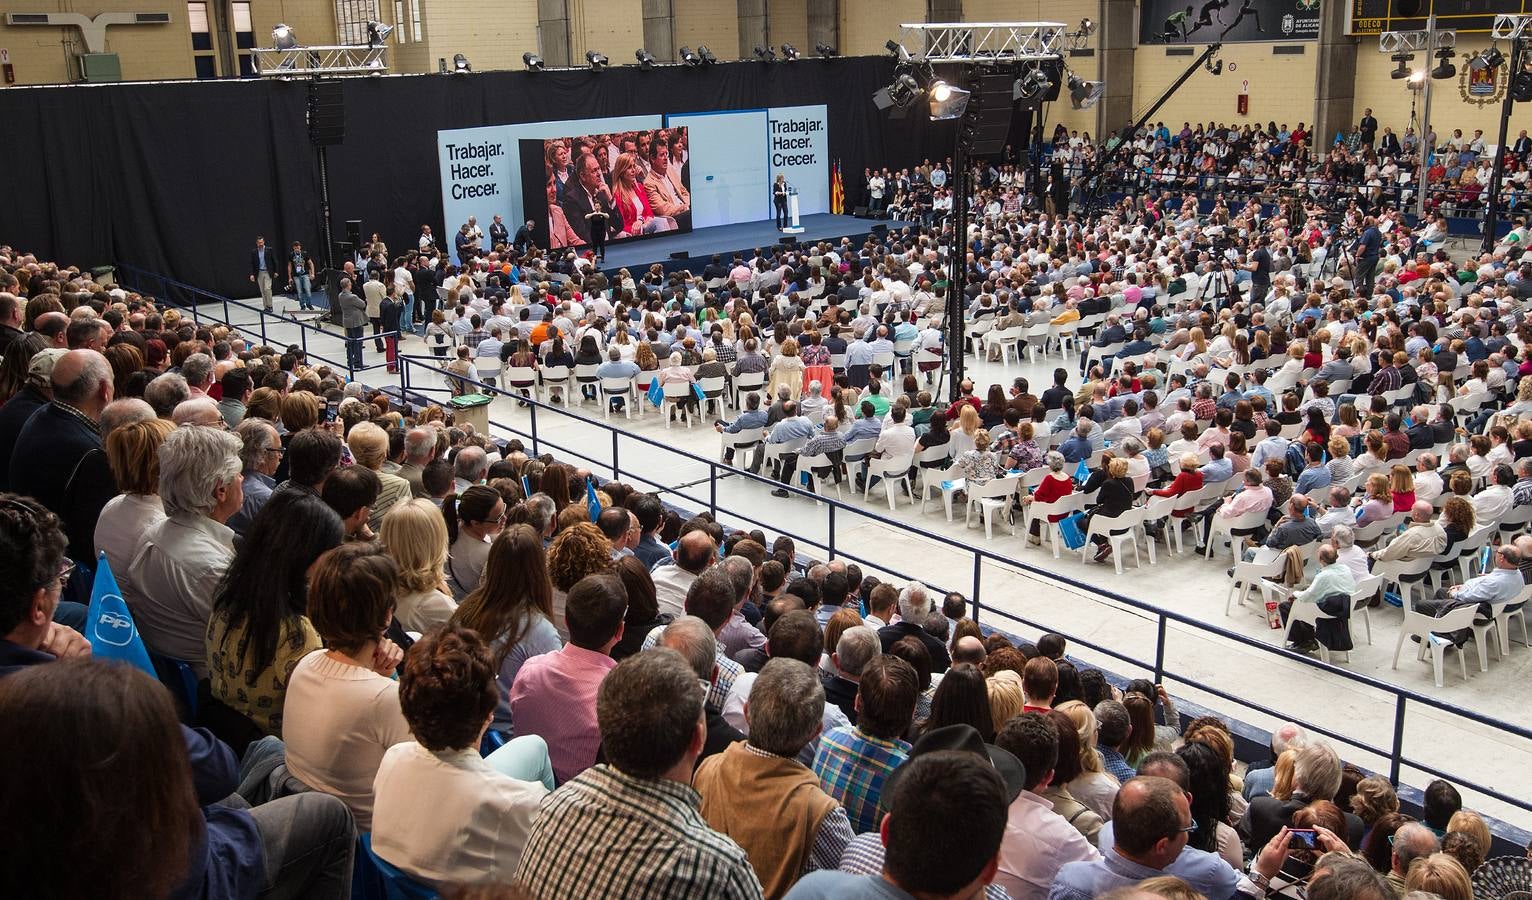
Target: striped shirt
x=852 y=767
x=607 y=834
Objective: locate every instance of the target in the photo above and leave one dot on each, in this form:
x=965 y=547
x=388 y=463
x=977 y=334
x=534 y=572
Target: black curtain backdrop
x=180 y=177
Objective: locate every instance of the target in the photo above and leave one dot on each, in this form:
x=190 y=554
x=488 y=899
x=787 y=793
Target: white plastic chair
x=1253 y=574
x=1417 y=624
x=1361 y=600
x=1119 y=532
x=677 y=393
x=556 y=377
x=1396 y=571
x=894 y=470
x=586 y=376
x=940 y=482
x=773 y=452
x=746 y=382
x=1223 y=529
x=993 y=496
x=712 y=395
x=617 y=387
x=520 y=378
x=743 y=441
x=1309 y=614
x=1042 y=512
x=807 y=464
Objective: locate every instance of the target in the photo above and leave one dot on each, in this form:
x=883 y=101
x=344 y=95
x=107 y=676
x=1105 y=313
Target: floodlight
x=533 y=62
x=706 y=54
x=824 y=50
x=377 y=33
x=1087 y=27
x=284 y=38
x=689 y=58
x=645 y=58
x=947 y=102
x=897 y=49
x=1444 y=67
x=1401 y=67
x=765 y=54
x=460 y=64
x=789 y=51
x=597 y=60
x=1084 y=94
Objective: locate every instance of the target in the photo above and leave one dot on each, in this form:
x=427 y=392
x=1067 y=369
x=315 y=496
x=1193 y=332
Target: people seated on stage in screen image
x=632 y=201
x=667 y=194
x=560 y=172
x=559 y=232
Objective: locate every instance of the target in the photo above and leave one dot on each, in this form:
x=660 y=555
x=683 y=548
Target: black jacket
x=60 y=459
x=1266 y=816
x=13 y=417
x=255 y=261
x=1421 y=436
x=891 y=634
x=841 y=693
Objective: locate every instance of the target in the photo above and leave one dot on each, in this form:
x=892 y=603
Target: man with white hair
x=199 y=410
x=813 y=404
x=58 y=458
x=694 y=640
x=165 y=393
x=122 y=412
x=419 y=450
x=915 y=607
x=172 y=579
x=1316 y=776
x=260 y=455
x=1260 y=781
x=469 y=467
x=198 y=372
x=855 y=649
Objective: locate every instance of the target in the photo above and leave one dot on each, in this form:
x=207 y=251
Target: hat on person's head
x=966 y=738
x=42 y=364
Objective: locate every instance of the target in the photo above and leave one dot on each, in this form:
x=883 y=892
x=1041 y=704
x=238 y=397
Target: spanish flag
x=837 y=191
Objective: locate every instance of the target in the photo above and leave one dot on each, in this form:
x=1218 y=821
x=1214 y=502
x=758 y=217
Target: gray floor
x=1025 y=586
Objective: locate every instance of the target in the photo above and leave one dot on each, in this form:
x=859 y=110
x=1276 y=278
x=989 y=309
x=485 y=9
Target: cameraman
x=1368 y=247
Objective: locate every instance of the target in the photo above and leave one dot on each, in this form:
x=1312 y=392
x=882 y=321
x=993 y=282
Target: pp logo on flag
x=114 y=628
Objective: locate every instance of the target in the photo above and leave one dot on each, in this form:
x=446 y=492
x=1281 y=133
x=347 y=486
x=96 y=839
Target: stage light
x=1444 y=67
x=1215 y=68
x=284 y=38
x=897 y=49
x=460 y=64
x=377 y=33
x=947 y=102
x=645 y=58
x=1084 y=94
x=1521 y=86
x=899 y=95
x=1087 y=27
x=689 y=58
x=1487 y=59
x=597 y=60
x=765 y=54
x=706 y=54
x=1401 y=65
x=532 y=61
x=789 y=51
x=1031 y=84
x=824 y=50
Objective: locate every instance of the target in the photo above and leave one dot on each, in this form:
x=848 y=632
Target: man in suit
x=1368 y=127
x=499 y=235
x=353 y=318
x=525 y=237
x=262 y=264
x=1522 y=147
x=1389 y=145
x=667 y=195
x=588 y=207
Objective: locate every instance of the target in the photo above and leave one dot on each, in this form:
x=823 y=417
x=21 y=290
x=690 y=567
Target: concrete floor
x=1024 y=583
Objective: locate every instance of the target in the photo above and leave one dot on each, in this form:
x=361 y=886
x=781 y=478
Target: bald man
x=199 y=411
x=55 y=327
x=694 y=553
x=60 y=457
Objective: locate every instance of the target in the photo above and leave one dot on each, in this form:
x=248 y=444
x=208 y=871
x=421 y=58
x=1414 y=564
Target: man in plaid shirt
x=854 y=761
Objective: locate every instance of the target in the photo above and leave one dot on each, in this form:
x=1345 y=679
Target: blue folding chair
x=493 y=740
x=396 y=884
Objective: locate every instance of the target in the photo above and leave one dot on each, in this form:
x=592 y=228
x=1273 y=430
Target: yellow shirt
x=257 y=695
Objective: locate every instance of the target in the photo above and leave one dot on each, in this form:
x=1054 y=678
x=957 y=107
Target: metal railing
x=416 y=376
x=424 y=377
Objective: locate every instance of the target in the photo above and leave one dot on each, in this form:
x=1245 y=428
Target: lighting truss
x=1511 y=27
x=353 y=59
x=1415 y=41
x=983 y=43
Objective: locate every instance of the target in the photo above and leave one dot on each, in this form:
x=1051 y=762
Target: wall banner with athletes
x=1230 y=21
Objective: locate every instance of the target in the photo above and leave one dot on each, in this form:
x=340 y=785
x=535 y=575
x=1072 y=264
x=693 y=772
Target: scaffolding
x=982 y=43
x=355 y=59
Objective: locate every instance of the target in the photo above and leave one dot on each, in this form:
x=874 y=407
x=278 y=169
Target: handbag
x=1072 y=528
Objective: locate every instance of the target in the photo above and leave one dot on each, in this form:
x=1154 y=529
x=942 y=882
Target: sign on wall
x=1229 y=21
x=1462 y=16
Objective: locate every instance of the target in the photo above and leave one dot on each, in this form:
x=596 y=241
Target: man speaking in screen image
x=589 y=206
x=667 y=195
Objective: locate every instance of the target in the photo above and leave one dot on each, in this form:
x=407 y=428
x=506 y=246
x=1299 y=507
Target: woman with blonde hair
x=369 y=448
x=1442 y=875
x=416 y=538
x=1093 y=787
x=1196 y=346
x=964 y=437
x=1374 y=798
x=512 y=610
x=1472 y=824
x=132 y=453
x=1401 y=484
x=786 y=370
x=1005 y=698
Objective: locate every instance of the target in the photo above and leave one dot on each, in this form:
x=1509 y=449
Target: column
x=660 y=29
x=1335 y=84
x=824 y=25
x=752 y=27
x=1114 y=46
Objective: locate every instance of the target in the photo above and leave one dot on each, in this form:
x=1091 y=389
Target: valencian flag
x=837 y=191
x=109 y=625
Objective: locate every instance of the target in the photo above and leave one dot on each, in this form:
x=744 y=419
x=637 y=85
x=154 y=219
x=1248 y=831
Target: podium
x=793 y=227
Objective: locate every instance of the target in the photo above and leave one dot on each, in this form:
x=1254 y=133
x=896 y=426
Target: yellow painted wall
x=1390 y=99
x=787 y=22
x=489 y=42
x=710 y=23
x=614 y=27
x=866 y=25
x=1281 y=87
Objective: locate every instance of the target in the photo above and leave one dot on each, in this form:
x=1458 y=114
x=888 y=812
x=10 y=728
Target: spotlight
x=898 y=95
x=897 y=49
x=597 y=60
x=1444 y=67
x=706 y=54
x=1216 y=68
x=947 y=102
x=1085 y=94
x=765 y=54
x=377 y=33
x=824 y=50
x=460 y=64
x=1487 y=59
x=1521 y=86
x=689 y=58
x=1030 y=85
x=533 y=62
x=789 y=51
x=1087 y=27
x=284 y=38
x=645 y=58
x=1417 y=81
x=1401 y=65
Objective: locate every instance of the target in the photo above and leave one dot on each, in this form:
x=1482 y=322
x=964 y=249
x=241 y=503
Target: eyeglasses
x=277 y=450
x=66 y=569
x=1187 y=829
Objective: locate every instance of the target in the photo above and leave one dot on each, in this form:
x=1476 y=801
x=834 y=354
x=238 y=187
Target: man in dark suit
x=1522 y=147
x=262 y=264
x=1368 y=127
x=498 y=233
x=588 y=207
x=524 y=237
x=915 y=608
x=59 y=456
x=1422 y=436
x=353 y=318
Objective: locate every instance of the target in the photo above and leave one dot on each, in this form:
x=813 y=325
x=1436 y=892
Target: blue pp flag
x=592 y=503
x=109 y=625
x=526 y=486
x=656 y=393
x=1082 y=472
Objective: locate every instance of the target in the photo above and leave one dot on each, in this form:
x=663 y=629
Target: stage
x=700 y=245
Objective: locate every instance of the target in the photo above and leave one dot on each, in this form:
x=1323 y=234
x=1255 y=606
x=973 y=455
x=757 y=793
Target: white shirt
x=170 y=585
x=1037 y=843
x=121 y=527
x=1490 y=504
x=1428 y=486
x=447 y=816
x=895 y=441
x=338 y=720
x=670 y=586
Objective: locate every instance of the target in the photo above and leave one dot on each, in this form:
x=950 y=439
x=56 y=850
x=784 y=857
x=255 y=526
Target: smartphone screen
x=1305 y=837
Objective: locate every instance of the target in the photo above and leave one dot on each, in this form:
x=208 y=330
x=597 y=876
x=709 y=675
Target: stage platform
x=725 y=240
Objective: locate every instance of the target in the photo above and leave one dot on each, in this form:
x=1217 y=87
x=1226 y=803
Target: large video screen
x=640 y=179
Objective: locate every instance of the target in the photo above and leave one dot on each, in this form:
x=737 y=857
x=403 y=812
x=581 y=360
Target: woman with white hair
x=676 y=373
x=1347 y=553
x=171 y=582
